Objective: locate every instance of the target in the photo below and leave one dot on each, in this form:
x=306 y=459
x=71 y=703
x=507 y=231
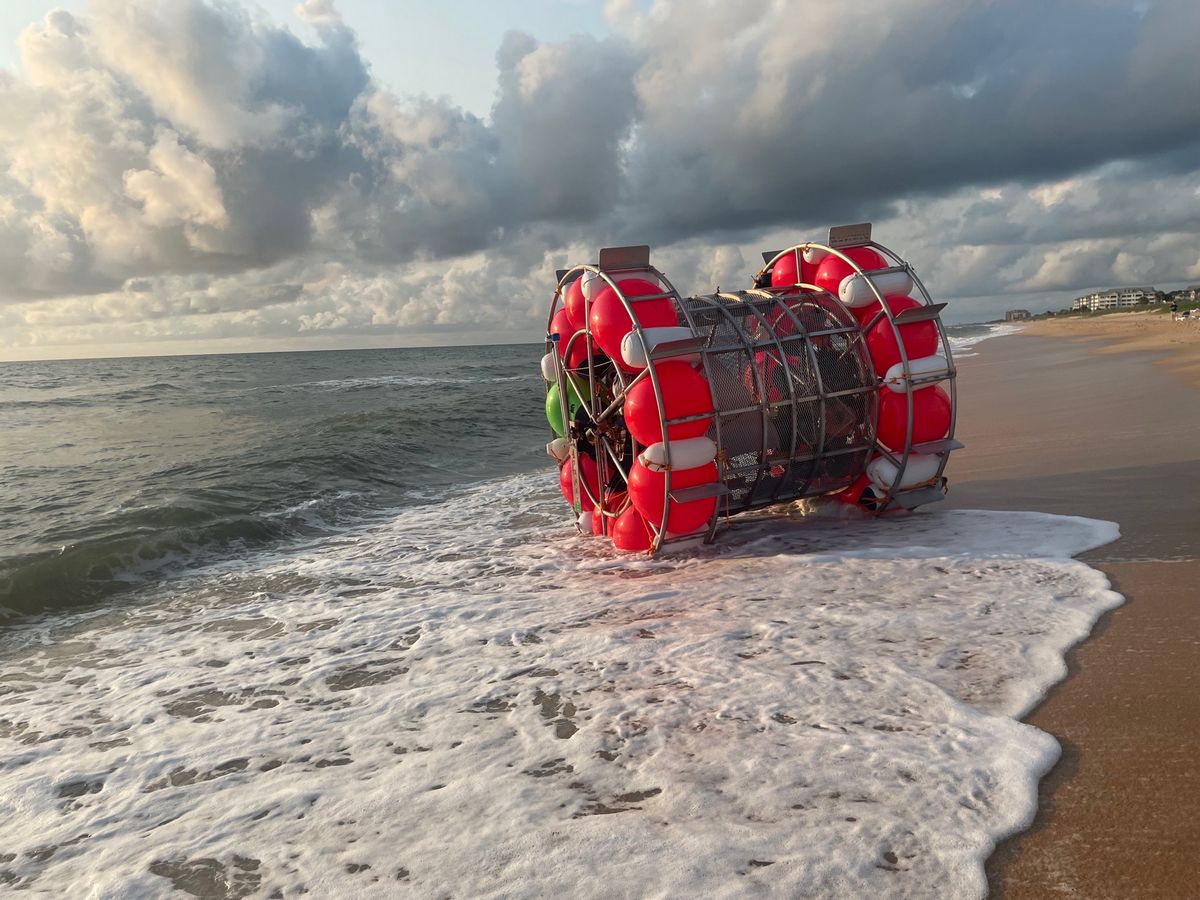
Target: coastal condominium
x=1117 y=298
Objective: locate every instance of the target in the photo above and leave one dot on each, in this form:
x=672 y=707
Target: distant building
x=1017 y=315
x=1187 y=294
x=1117 y=298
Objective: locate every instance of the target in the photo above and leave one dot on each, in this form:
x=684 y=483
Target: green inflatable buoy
x=554 y=407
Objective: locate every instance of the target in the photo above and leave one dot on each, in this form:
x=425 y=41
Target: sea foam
x=963 y=344
x=471 y=700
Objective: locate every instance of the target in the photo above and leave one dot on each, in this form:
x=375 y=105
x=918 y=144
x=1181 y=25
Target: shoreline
x=1093 y=426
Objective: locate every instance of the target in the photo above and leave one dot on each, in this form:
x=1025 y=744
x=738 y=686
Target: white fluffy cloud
x=189 y=170
x=180 y=187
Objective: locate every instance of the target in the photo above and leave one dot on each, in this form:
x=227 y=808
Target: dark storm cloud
x=443 y=182
x=808 y=113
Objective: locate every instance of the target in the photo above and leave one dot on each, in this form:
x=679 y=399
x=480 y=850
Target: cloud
x=181 y=187
x=169 y=138
x=191 y=169
x=475 y=298
x=440 y=182
x=785 y=113
x=182 y=136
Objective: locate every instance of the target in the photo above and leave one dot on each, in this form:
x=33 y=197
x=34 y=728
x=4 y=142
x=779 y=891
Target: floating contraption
x=831 y=376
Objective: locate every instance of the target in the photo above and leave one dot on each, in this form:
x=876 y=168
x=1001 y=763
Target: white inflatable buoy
x=895 y=378
x=920 y=468
x=634 y=356
x=814 y=255
x=558 y=449
x=548 y=367
x=855 y=291
x=591 y=284
x=585 y=522
x=686 y=454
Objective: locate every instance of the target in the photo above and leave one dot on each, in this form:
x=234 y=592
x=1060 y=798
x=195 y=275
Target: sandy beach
x=1175 y=342
x=1101 y=418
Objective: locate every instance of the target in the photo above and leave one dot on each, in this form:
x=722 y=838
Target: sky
x=183 y=176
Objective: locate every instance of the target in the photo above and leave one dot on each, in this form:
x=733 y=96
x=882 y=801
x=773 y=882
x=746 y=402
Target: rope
x=649 y=536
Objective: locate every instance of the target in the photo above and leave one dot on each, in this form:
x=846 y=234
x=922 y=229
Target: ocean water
x=430 y=686
x=114 y=473
x=963 y=338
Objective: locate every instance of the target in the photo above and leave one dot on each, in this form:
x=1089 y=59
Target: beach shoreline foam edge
x=806 y=705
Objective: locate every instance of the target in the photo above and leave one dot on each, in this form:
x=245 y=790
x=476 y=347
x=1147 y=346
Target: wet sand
x=1179 y=340
x=1062 y=426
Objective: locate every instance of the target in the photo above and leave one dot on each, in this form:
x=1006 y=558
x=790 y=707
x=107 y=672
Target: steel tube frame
x=761 y=303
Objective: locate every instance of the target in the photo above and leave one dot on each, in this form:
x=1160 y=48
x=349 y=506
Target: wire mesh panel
x=793 y=392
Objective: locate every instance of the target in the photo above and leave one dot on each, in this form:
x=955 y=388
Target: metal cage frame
x=616 y=264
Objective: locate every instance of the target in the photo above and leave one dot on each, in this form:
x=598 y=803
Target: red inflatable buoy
x=861 y=493
x=920 y=338
x=562 y=325
x=589 y=476
x=685 y=392
x=833 y=269
x=610 y=322
x=931 y=416
x=630 y=531
x=646 y=491
x=610 y=501
x=573 y=301
x=785 y=274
